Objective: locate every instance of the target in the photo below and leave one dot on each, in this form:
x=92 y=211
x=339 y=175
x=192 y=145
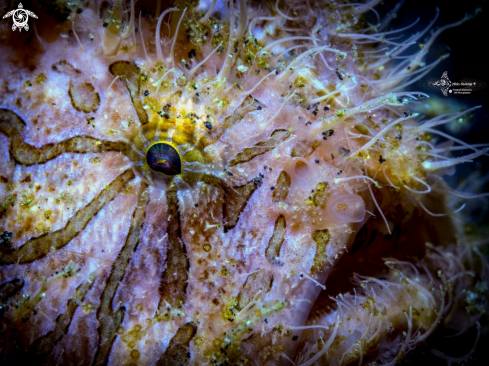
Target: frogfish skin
x=229 y=183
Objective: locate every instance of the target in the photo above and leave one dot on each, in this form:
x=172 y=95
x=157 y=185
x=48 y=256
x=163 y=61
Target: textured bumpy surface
x=294 y=160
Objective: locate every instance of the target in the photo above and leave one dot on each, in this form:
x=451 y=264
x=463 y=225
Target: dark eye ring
x=164 y=158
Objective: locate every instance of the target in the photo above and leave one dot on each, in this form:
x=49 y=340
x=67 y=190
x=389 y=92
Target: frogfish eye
x=164 y=158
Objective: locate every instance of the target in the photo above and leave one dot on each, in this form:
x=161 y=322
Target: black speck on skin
x=259 y=179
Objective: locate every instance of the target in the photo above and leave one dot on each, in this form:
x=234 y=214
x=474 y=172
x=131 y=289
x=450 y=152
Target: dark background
x=467 y=43
x=468 y=46
x=468 y=49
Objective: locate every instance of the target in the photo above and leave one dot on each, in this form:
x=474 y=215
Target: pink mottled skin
x=344 y=162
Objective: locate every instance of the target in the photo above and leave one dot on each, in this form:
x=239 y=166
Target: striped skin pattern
x=302 y=162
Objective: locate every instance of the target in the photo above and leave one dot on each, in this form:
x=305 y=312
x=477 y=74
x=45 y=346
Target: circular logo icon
x=20 y=18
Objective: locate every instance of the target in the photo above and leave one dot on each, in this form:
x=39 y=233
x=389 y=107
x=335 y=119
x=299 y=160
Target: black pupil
x=164 y=158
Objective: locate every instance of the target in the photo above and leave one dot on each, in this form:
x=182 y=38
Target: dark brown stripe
x=213 y=181
x=273 y=250
x=177 y=353
x=248 y=105
x=282 y=186
x=321 y=237
x=39 y=247
x=109 y=320
x=320 y=194
x=83 y=96
x=13 y=126
x=43 y=346
x=131 y=74
x=235 y=200
x=304 y=149
x=64 y=67
x=173 y=285
x=261 y=346
x=260 y=148
x=10 y=288
x=261 y=280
